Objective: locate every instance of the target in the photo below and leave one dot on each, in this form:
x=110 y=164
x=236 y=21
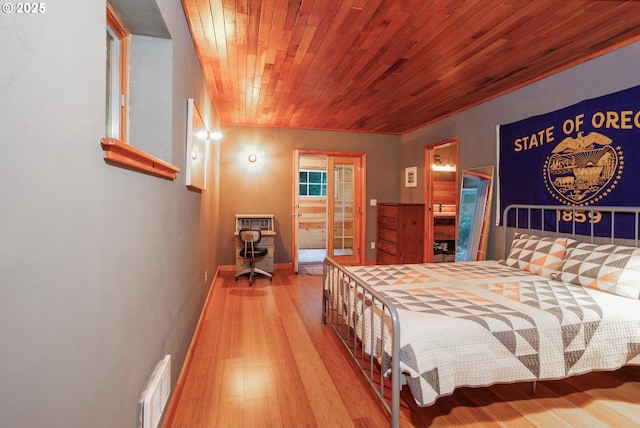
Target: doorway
x=441 y=198
x=327 y=210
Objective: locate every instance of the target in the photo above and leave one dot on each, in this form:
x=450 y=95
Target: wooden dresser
x=400 y=233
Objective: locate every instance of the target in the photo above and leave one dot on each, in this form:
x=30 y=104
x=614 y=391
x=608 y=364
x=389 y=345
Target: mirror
x=473 y=214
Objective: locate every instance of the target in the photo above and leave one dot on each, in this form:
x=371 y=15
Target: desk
x=264 y=223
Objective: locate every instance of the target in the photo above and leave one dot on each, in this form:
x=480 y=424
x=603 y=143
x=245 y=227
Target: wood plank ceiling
x=389 y=66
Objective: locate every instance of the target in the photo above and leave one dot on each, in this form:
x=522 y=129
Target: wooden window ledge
x=121 y=154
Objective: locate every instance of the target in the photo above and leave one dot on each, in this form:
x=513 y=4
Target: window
x=150 y=127
x=313 y=183
x=116 y=99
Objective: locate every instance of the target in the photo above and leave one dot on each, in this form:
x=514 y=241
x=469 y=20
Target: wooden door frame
x=428 y=194
x=359 y=197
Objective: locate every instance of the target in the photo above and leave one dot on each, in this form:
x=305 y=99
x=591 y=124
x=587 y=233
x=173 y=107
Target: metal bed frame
x=340 y=286
x=585 y=216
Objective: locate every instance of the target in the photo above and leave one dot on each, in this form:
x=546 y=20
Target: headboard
x=594 y=224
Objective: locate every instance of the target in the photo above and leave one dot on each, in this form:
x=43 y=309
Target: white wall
x=476 y=127
x=101 y=268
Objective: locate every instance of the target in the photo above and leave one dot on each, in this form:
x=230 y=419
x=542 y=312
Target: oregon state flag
x=586 y=154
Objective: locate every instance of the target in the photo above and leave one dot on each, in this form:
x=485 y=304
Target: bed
x=563 y=301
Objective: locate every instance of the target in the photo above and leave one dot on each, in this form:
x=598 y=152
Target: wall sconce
x=194 y=155
x=215 y=135
x=253 y=158
x=207 y=135
x=438 y=166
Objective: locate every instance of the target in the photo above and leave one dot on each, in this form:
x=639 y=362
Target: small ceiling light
x=203 y=134
x=253 y=158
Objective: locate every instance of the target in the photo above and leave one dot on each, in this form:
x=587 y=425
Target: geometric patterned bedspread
x=480 y=323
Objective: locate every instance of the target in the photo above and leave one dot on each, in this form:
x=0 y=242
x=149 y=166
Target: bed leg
x=533 y=388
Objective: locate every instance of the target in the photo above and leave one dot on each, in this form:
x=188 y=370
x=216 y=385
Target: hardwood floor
x=263 y=359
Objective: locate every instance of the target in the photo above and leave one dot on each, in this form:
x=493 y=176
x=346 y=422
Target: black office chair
x=249 y=238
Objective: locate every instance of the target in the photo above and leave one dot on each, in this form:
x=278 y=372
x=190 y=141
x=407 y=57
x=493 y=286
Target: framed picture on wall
x=411 y=176
x=196 y=159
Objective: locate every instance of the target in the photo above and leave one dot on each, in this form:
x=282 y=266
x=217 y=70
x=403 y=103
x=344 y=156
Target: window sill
x=118 y=153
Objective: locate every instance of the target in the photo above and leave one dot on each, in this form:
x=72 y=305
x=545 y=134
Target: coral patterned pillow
x=535 y=254
x=608 y=267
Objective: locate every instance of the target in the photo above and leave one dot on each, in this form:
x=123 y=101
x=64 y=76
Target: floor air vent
x=155 y=395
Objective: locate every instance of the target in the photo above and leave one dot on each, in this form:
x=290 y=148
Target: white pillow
x=539 y=255
x=608 y=267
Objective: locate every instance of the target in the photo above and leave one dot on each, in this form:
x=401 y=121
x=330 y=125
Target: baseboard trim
x=186 y=365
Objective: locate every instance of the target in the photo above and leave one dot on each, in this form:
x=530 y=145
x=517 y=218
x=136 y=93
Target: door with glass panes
x=344 y=209
x=328 y=206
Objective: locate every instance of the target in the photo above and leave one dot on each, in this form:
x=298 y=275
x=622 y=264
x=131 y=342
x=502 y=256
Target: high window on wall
x=313 y=183
x=116 y=95
x=138 y=96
